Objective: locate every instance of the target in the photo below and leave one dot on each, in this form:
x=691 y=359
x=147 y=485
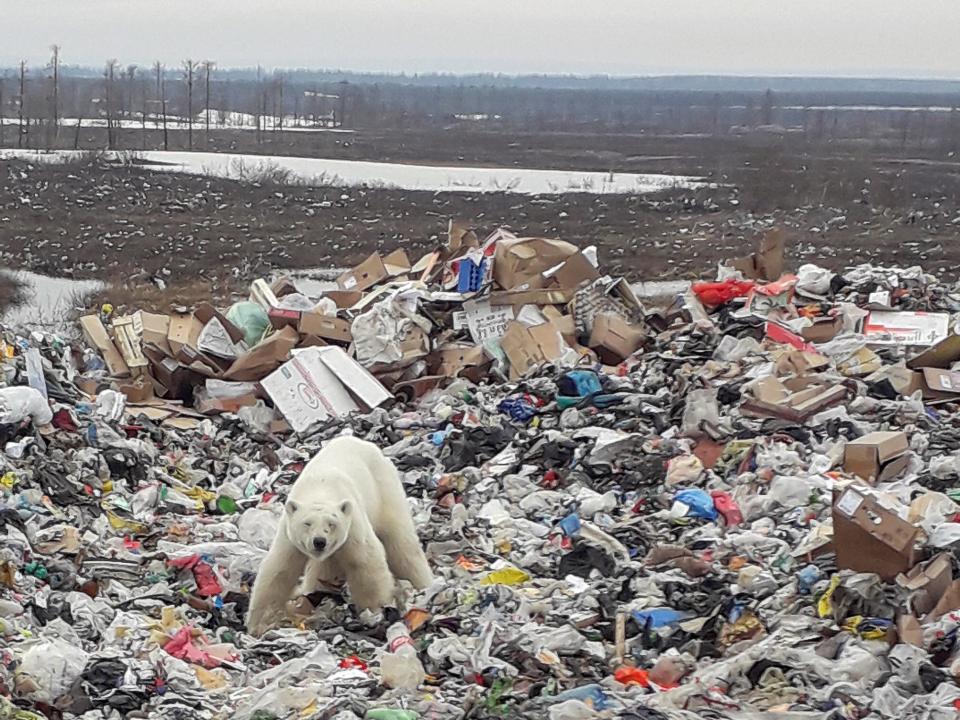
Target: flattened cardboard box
x=877 y=456
x=869 y=537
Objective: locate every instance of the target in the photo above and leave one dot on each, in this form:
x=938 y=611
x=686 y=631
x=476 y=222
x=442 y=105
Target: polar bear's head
x=318 y=530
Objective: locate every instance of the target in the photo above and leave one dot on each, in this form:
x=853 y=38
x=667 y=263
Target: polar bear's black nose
x=319 y=544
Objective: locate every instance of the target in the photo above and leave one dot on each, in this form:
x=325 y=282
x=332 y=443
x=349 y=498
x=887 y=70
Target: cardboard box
x=318 y=383
x=126 y=338
x=154 y=329
x=767 y=262
x=175 y=380
x=485 y=321
x=449 y=360
x=184 y=332
x=344 y=299
x=614 y=339
x=520 y=260
x=96 y=335
x=138 y=390
x=941 y=355
x=870 y=537
x=529 y=346
x=532 y=296
x=324 y=326
x=219 y=337
x=927 y=583
x=574 y=272
x=795 y=399
x=262 y=294
x=893 y=329
x=877 y=457
x=823 y=330
x=281 y=318
x=373 y=270
x=264 y=358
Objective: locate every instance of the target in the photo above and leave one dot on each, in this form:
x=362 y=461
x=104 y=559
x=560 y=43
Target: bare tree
x=278 y=103
x=208 y=66
x=257 y=105
x=3 y=109
x=162 y=100
x=55 y=94
x=130 y=77
x=189 y=68
x=20 y=101
x=109 y=93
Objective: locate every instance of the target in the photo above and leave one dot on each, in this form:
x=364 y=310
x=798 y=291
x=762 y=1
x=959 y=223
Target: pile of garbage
x=741 y=501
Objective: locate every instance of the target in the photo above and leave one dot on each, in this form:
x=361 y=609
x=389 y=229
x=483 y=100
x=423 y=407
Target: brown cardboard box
x=280 y=318
x=264 y=358
x=451 y=359
x=877 y=457
x=869 y=537
x=155 y=329
x=937 y=385
x=519 y=260
x=575 y=271
x=927 y=582
x=767 y=262
x=184 y=331
x=138 y=390
x=823 y=329
x=373 y=270
x=176 y=379
x=942 y=355
x=344 y=298
x=563 y=323
x=96 y=335
x=614 y=339
x=794 y=399
x=532 y=296
x=529 y=346
x=324 y=326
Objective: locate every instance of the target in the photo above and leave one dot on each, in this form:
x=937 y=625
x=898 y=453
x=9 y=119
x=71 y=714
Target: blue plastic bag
x=700 y=504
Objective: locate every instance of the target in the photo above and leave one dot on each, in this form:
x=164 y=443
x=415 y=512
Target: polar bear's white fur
x=347 y=518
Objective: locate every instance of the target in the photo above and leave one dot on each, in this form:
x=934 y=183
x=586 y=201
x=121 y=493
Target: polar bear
x=346 y=517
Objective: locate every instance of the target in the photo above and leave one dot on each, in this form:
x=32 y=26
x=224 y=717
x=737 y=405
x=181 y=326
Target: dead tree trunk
x=23 y=86
x=189 y=66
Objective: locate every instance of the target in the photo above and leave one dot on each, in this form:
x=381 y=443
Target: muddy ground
x=841 y=204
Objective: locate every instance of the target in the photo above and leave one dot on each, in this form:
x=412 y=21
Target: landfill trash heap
x=739 y=501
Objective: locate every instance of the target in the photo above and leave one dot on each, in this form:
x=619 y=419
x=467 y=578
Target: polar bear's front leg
x=369 y=578
x=276 y=580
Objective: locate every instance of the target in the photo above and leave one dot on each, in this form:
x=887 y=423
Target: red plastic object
x=720 y=293
x=632 y=676
x=727 y=507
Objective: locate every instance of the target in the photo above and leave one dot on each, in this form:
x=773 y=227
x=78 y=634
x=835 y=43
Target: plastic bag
x=251 y=319
x=21 y=402
x=49 y=669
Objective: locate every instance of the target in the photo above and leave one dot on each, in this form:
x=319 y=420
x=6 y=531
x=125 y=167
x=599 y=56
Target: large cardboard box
x=324 y=326
x=869 y=536
x=96 y=335
x=322 y=382
x=264 y=357
x=373 y=270
x=154 y=329
x=877 y=456
x=520 y=260
x=767 y=262
x=528 y=346
x=185 y=329
x=614 y=339
x=794 y=399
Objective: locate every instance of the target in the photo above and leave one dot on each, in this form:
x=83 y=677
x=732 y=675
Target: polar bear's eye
x=308 y=523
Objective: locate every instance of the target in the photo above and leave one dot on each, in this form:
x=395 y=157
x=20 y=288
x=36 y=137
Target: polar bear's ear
x=291 y=507
x=345 y=507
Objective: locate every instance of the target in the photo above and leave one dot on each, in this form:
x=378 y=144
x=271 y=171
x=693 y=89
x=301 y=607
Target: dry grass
x=128 y=296
x=11 y=292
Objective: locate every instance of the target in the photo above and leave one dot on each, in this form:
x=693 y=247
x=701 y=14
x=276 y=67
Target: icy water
x=48 y=301
x=433 y=178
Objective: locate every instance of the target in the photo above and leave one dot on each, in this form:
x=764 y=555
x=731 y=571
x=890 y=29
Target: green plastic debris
x=390 y=714
x=227 y=505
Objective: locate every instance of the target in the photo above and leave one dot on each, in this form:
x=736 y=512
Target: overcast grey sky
x=900 y=38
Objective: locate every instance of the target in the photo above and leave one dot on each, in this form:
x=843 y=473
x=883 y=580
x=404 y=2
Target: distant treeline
x=43 y=101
